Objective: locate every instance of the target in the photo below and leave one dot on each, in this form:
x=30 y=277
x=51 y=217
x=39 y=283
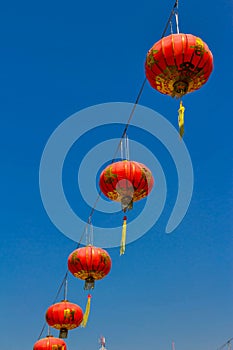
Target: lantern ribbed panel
x=89 y=262
x=64 y=315
x=50 y=343
x=178 y=61
x=126 y=178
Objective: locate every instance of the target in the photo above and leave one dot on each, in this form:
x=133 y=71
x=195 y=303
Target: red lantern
x=126 y=182
x=50 y=343
x=89 y=263
x=178 y=64
x=64 y=316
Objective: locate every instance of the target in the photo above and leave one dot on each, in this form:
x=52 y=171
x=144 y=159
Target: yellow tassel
x=181 y=119
x=87 y=311
x=123 y=236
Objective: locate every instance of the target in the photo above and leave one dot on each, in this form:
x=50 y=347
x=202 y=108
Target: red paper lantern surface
x=50 y=343
x=64 y=315
x=126 y=182
x=178 y=64
x=89 y=263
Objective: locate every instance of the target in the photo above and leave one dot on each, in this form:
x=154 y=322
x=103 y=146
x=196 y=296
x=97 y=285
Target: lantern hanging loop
x=49 y=331
x=65 y=288
x=122 y=155
x=89 y=233
x=175 y=6
x=177 y=23
x=174 y=13
x=171 y=27
x=124 y=144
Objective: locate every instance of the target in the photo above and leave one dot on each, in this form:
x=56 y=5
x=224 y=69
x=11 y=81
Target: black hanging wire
x=55 y=299
x=228 y=343
x=175 y=6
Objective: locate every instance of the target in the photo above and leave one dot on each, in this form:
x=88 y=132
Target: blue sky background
x=56 y=59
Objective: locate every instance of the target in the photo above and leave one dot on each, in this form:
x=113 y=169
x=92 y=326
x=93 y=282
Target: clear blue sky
x=57 y=58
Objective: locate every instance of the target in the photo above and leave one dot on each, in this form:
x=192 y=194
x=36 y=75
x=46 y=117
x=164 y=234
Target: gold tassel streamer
x=123 y=236
x=87 y=311
x=181 y=119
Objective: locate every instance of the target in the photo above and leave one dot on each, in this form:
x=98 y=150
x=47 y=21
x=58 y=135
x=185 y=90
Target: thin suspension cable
x=224 y=345
x=54 y=301
x=170 y=18
x=113 y=159
x=177 y=18
x=130 y=118
x=66 y=274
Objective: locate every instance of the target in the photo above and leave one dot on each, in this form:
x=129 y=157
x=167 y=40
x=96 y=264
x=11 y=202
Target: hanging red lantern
x=64 y=316
x=50 y=343
x=178 y=64
x=126 y=182
x=89 y=263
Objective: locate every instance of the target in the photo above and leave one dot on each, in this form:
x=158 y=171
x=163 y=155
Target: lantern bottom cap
x=89 y=283
x=180 y=88
x=126 y=203
x=63 y=333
